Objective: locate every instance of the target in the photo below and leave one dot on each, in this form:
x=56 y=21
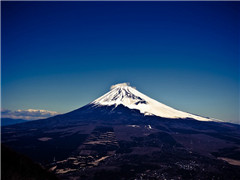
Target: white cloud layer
x=29 y=114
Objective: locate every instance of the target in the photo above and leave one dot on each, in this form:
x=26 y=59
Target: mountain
x=127 y=135
x=9 y=121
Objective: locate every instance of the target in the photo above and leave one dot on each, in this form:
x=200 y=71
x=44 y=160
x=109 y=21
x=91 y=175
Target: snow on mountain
x=128 y=96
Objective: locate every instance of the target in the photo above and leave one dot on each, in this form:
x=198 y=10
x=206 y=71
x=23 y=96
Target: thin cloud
x=121 y=85
x=29 y=114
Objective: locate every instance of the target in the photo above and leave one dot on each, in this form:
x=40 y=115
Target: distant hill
x=9 y=121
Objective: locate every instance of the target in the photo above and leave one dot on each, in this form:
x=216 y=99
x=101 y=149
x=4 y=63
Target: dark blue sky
x=61 y=55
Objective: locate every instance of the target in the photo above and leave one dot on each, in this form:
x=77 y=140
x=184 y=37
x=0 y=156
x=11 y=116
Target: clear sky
x=59 y=56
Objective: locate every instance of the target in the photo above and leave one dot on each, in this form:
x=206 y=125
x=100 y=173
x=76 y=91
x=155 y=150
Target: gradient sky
x=60 y=56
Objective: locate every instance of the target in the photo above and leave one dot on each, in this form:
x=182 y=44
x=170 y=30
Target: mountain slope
x=16 y=166
x=133 y=99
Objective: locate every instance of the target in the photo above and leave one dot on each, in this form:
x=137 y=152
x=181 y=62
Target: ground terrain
x=119 y=143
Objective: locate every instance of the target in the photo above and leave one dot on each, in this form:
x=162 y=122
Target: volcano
x=125 y=134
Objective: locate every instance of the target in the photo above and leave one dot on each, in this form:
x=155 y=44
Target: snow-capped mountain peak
x=128 y=96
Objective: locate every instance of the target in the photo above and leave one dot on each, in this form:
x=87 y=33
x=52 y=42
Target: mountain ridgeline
x=126 y=135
